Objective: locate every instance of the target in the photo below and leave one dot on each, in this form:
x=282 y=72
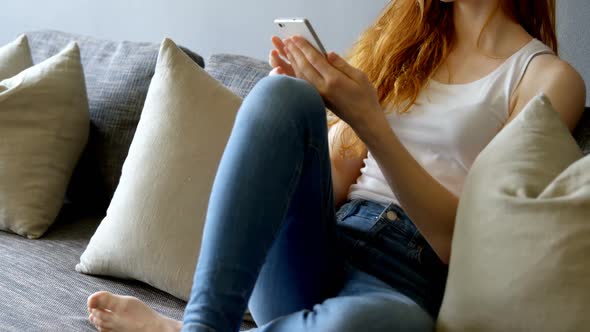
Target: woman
x=427 y=87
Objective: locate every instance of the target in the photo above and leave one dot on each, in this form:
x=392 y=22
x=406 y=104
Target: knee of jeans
x=375 y=315
x=290 y=97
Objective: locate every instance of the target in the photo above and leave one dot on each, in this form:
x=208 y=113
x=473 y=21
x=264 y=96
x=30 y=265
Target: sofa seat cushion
x=40 y=290
x=118 y=75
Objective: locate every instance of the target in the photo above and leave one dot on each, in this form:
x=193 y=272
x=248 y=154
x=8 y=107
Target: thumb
x=275 y=71
x=339 y=63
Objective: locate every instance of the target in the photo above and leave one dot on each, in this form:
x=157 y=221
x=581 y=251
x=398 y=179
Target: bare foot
x=115 y=313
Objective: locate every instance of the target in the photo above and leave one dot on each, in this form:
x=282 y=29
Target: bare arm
x=354 y=99
x=429 y=204
x=559 y=81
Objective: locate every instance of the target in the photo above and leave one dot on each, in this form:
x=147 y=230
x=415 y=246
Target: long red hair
x=411 y=39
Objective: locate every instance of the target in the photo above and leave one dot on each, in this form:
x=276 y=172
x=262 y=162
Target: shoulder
x=549 y=71
x=558 y=80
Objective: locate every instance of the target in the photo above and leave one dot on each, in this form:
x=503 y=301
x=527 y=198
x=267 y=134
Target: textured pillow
x=238 y=73
x=522 y=235
x=118 y=75
x=43 y=130
x=152 y=231
x=15 y=57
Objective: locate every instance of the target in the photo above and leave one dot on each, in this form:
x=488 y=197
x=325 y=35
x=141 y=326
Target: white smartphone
x=289 y=27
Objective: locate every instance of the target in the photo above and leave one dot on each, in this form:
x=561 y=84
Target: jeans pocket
x=358 y=217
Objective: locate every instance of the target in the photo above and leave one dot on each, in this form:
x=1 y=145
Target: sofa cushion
x=238 y=73
x=117 y=78
x=154 y=224
x=15 y=57
x=520 y=246
x=43 y=130
x=41 y=292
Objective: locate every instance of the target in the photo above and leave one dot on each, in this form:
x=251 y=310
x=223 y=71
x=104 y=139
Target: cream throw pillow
x=152 y=231
x=44 y=126
x=15 y=57
x=520 y=250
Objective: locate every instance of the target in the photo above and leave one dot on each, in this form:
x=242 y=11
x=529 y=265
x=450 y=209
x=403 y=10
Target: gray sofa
x=39 y=289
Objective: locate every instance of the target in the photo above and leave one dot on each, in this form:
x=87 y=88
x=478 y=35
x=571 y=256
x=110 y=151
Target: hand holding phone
x=277 y=59
x=288 y=27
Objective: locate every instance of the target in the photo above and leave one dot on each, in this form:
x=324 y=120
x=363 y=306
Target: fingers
x=279 y=45
x=275 y=60
x=341 y=64
x=294 y=65
x=314 y=57
x=277 y=71
x=300 y=63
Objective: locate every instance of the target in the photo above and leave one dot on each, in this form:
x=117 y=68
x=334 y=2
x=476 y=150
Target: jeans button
x=391 y=215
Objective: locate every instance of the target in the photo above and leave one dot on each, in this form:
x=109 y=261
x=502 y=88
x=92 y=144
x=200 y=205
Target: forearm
x=431 y=206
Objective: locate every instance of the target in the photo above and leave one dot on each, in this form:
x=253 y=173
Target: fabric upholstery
x=238 y=73
x=15 y=57
x=118 y=75
x=154 y=223
x=520 y=247
x=41 y=292
x=43 y=127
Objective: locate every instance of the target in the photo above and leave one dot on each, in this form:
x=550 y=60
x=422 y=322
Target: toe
x=103 y=319
x=103 y=300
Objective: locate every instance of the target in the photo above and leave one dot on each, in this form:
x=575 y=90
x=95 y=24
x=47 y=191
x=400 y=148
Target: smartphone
x=289 y=27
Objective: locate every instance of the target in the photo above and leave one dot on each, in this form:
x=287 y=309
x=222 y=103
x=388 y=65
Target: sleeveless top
x=449 y=125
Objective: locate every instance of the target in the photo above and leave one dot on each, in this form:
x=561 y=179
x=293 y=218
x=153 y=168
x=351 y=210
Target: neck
x=479 y=21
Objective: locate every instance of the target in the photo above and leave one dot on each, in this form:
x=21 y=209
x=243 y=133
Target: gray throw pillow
x=238 y=73
x=118 y=75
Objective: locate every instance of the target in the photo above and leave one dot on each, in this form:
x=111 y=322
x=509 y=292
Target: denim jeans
x=274 y=242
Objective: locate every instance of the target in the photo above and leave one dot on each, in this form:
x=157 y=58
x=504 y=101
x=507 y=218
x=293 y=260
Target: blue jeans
x=273 y=240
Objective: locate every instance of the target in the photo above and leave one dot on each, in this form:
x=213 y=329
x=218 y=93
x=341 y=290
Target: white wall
x=574 y=35
x=239 y=26
x=205 y=26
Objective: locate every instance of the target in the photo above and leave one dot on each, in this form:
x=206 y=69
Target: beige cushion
x=522 y=236
x=152 y=231
x=44 y=126
x=15 y=57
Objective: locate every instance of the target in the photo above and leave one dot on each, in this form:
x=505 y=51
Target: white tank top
x=449 y=125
